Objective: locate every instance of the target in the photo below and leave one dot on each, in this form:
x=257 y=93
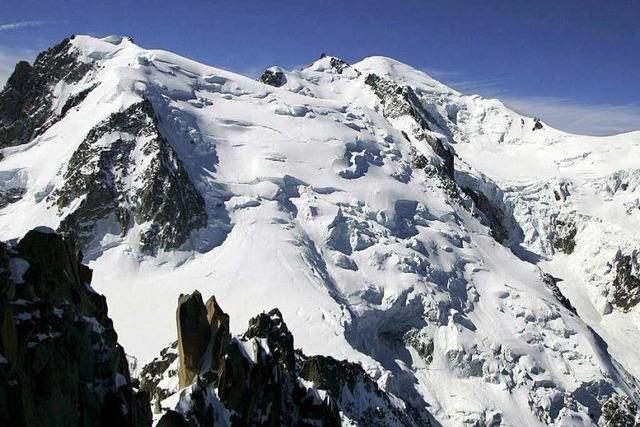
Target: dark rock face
x=10 y=195
x=402 y=101
x=194 y=335
x=620 y=411
x=153 y=372
x=358 y=396
x=162 y=196
x=338 y=64
x=275 y=78
x=26 y=101
x=60 y=361
x=258 y=379
x=75 y=100
x=537 y=125
x=492 y=215
x=550 y=281
x=626 y=285
x=564 y=236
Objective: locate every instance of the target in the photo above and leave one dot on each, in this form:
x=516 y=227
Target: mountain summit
x=479 y=265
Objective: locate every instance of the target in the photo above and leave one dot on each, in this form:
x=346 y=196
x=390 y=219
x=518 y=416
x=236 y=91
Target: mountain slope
x=358 y=200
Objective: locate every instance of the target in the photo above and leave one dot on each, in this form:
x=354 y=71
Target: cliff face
x=26 y=101
x=60 y=361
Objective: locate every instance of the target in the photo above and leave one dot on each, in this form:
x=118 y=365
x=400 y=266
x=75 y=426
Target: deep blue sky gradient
x=578 y=53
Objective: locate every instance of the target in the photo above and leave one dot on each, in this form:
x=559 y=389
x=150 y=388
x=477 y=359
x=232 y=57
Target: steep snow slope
x=337 y=198
x=571 y=200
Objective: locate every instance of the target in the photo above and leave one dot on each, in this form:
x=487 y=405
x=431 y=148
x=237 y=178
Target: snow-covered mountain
x=478 y=264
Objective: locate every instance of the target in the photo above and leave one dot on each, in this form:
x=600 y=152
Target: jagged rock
x=619 y=411
x=194 y=334
x=261 y=380
x=11 y=195
x=400 y=101
x=157 y=370
x=550 y=281
x=26 y=101
x=75 y=100
x=563 y=239
x=271 y=326
x=626 y=285
x=273 y=77
x=537 y=125
x=219 y=324
x=356 y=394
x=494 y=216
x=60 y=362
x=162 y=197
x=172 y=419
x=423 y=345
x=338 y=64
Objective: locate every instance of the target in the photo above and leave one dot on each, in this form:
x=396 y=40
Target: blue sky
x=574 y=63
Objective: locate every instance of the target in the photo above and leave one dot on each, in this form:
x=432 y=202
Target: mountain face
x=60 y=362
x=471 y=265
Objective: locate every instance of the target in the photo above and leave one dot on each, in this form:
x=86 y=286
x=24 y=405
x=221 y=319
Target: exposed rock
x=10 y=195
x=338 y=64
x=271 y=326
x=550 y=281
x=537 y=125
x=356 y=394
x=26 y=101
x=626 y=285
x=193 y=336
x=219 y=325
x=619 y=411
x=157 y=194
x=258 y=378
x=157 y=370
x=423 y=345
x=60 y=360
x=75 y=100
x=563 y=239
x=172 y=419
x=273 y=77
x=400 y=101
x=491 y=214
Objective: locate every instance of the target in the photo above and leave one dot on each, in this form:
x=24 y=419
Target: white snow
x=322 y=238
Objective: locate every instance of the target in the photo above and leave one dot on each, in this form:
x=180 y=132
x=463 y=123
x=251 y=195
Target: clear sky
x=574 y=63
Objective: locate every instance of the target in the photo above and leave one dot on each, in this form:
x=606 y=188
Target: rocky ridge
x=259 y=379
x=60 y=362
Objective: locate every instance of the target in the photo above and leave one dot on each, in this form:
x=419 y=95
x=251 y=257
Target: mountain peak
x=439 y=240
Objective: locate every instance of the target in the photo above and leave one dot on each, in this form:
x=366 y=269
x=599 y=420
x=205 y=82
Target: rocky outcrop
x=537 y=124
x=273 y=77
x=626 y=285
x=564 y=234
x=10 y=195
x=26 y=101
x=137 y=180
x=193 y=336
x=550 y=281
x=155 y=375
x=259 y=379
x=357 y=395
x=400 y=101
x=60 y=362
x=619 y=411
x=490 y=214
